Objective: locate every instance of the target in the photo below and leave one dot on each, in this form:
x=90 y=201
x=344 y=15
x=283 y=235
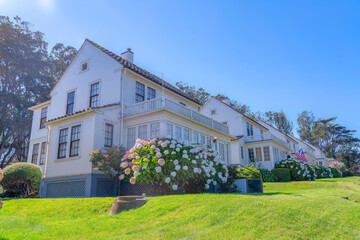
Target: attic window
x=213 y=111
x=84 y=66
x=225 y=123
x=183 y=104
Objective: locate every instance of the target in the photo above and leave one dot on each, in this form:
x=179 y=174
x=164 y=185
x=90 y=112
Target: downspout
x=123 y=73
x=47 y=150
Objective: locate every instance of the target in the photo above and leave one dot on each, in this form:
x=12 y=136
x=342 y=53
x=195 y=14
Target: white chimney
x=128 y=55
x=226 y=101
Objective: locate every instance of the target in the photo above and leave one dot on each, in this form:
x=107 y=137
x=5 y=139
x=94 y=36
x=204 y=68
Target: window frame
x=178 y=132
x=139 y=91
x=267 y=156
x=258 y=153
x=70 y=104
x=63 y=143
x=141 y=128
x=169 y=130
x=35 y=153
x=95 y=96
x=109 y=135
x=154 y=130
x=253 y=154
x=149 y=89
x=42 y=153
x=72 y=141
x=43 y=116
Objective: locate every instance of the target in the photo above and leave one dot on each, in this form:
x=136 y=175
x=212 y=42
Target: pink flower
x=122 y=176
x=127 y=171
x=161 y=162
x=135 y=168
x=164 y=144
x=158 y=155
x=199 y=170
x=157 y=150
x=132 y=180
x=126 y=156
x=124 y=164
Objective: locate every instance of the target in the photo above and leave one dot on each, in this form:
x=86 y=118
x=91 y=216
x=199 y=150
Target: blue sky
x=271 y=55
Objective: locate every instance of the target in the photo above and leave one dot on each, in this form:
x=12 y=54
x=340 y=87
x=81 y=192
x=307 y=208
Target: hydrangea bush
x=300 y=171
x=178 y=166
x=322 y=172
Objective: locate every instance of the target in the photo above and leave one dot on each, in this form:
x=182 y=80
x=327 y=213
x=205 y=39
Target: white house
x=102 y=100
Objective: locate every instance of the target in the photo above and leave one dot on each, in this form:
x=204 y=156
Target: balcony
x=167 y=104
x=266 y=137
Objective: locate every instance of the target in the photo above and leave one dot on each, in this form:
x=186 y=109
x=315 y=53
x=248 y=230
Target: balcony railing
x=266 y=137
x=158 y=103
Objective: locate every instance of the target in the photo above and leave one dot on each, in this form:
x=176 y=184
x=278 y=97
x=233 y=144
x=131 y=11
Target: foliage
x=335 y=172
x=267 y=175
x=25 y=80
x=322 y=172
x=176 y=165
x=305 y=122
x=229 y=186
x=282 y=174
x=347 y=173
x=22 y=178
x=108 y=161
x=1 y=177
x=299 y=171
x=279 y=121
x=249 y=171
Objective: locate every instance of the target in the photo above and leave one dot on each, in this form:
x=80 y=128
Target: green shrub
x=322 y=172
x=267 y=175
x=282 y=174
x=249 y=171
x=347 y=173
x=22 y=178
x=299 y=171
x=335 y=172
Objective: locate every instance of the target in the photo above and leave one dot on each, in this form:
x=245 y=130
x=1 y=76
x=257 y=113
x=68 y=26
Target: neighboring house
x=102 y=100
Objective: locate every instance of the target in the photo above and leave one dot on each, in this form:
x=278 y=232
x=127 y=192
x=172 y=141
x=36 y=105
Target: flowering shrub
x=322 y=172
x=335 y=172
x=1 y=177
x=171 y=163
x=299 y=171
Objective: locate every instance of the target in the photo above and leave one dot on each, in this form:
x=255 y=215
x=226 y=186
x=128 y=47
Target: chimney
x=128 y=55
x=226 y=101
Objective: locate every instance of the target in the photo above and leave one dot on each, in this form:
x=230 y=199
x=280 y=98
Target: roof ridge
x=143 y=72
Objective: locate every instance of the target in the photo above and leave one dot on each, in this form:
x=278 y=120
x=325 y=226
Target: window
x=109 y=135
x=151 y=93
x=225 y=123
x=227 y=157
x=177 y=132
x=202 y=139
x=320 y=163
x=251 y=155
x=84 y=66
x=70 y=102
x=131 y=137
x=42 y=153
x=242 y=152
x=94 y=94
x=140 y=92
x=258 y=154
x=213 y=111
x=266 y=154
x=43 y=117
x=142 y=132
x=169 y=130
x=75 y=141
x=195 y=137
x=62 y=143
x=208 y=139
x=35 y=153
x=181 y=103
x=186 y=135
x=249 y=129
x=222 y=151
x=276 y=154
x=155 y=130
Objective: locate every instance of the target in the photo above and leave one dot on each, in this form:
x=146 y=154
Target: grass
x=294 y=210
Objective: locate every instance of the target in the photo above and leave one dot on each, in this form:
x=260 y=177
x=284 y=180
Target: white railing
x=266 y=137
x=158 y=103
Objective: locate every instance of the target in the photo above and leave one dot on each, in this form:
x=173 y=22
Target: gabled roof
x=247 y=117
x=143 y=72
x=81 y=111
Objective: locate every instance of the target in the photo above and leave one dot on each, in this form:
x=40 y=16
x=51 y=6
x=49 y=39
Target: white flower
x=185 y=156
x=214 y=183
x=158 y=169
x=193 y=161
x=139 y=146
x=137 y=157
x=197 y=157
x=208 y=181
x=176 y=162
x=185 y=151
x=195 y=169
x=136 y=173
x=172 y=145
x=173 y=152
x=177 y=167
x=177 y=149
x=166 y=152
x=173 y=174
x=167 y=180
x=174 y=187
x=185 y=168
x=207 y=186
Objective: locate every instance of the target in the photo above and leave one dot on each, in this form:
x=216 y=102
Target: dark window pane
x=151 y=93
x=140 y=92
x=70 y=103
x=62 y=143
x=109 y=131
x=94 y=94
x=75 y=141
x=35 y=153
x=43 y=117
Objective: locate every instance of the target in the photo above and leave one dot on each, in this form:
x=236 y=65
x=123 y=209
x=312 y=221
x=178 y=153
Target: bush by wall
x=267 y=175
x=322 y=172
x=347 y=173
x=299 y=171
x=282 y=174
x=22 y=178
x=335 y=172
x=249 y=171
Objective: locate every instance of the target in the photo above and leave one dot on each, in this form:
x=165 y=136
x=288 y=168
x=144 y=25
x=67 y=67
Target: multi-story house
x=102 y=100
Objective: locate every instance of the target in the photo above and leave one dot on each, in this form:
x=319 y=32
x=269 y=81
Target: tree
x=26 y=77
x=280 y=121
x=305 y=122
x=245 y=109
x=61 y=56
x=199 y=94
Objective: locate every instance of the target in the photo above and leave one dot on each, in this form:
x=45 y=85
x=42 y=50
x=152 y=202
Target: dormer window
x=213 y=111
x=84 y=66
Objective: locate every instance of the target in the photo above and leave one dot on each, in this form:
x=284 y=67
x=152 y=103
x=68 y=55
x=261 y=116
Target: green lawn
x=294 y=210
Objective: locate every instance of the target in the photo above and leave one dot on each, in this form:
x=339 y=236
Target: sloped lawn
x=294 y=210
